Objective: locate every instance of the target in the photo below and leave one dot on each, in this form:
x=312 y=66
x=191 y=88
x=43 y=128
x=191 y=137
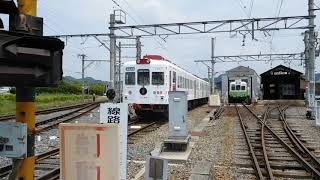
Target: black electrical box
x=30 y=61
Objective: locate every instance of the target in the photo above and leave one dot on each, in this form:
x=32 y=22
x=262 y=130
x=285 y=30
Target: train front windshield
x=157 y=78
x=143 y=77
x=130 y=78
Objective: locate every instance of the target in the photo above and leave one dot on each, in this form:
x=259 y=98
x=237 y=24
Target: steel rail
x=55 y=173
x=46 y=111
x=263 y=143
x=303 y=162
x=253 y=156
x=62 y=116
x=219 y=112
x=52 y=175
x=144 y=127
x=297 y=141
x=4 y=171
x=41 y=129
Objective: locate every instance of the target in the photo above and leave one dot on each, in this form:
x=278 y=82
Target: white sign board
x=89 y=151
x=117 y=113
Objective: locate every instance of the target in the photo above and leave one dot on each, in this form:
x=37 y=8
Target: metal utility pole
x=138 y=46
x=119 y=74
x=113 y=50
x=312 y=50
x=83 y=68
x=82 y=56
x=213 y=62
x=209 y=74
x=306 y=43
x=25 y=109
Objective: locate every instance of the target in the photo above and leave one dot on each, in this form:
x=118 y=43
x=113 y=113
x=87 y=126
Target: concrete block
x=156 y=168
x=202 y=171
x=214 y=100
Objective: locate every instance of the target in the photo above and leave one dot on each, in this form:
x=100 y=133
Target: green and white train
x=239 y=92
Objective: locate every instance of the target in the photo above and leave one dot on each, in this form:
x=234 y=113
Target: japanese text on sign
x=113 y=115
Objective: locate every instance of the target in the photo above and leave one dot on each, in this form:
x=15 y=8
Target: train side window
x=243 y=88
x=143 y=77
x=237 y=87
x=157 y=78
x=174 y=77
x=130 y=78
x=233 y=87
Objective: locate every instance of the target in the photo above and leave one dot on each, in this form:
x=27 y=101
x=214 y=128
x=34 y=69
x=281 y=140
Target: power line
x=251 y=8
x=278 y=15
x=131 y=17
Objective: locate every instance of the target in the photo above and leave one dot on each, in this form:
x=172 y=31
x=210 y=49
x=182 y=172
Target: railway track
x=275 y=150
x=49 y=161
x=47 y=164
x=41 y=161
x=46 y=111
x=54 y=122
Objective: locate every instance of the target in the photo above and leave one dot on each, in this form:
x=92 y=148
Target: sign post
x=117 y=113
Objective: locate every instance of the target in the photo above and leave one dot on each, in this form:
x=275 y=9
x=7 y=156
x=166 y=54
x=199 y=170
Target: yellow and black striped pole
x=25 y=107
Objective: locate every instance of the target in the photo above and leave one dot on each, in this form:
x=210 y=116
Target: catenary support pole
x=113 y=51
x=312 y=50
x=25 y=108
x=212 y=65
x=138 y=46
x=306 y=52
x=119 y=75
x=82 y=73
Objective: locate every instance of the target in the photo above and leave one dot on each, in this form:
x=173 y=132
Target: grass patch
x=43 y=101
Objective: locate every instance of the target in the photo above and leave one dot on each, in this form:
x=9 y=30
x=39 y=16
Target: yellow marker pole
x=25 y=106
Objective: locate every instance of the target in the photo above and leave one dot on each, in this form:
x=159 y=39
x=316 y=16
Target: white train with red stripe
x=147 y=82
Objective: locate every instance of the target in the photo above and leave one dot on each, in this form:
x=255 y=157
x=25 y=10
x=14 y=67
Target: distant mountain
x=88 y=80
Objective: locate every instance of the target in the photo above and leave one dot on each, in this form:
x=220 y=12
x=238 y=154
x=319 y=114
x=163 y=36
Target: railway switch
x=13 y=139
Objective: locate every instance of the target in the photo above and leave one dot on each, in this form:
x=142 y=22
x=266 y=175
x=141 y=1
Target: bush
x=97 y=89
x=8 y=97
x=63 y=87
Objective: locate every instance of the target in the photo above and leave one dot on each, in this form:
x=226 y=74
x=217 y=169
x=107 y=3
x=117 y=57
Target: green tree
x=97 y=89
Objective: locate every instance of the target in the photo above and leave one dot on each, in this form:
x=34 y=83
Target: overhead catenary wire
x=280 y=2
x=136 y=21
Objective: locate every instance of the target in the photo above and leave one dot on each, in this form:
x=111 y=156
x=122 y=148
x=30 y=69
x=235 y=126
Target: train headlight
x=129 y=92
x=143 y=91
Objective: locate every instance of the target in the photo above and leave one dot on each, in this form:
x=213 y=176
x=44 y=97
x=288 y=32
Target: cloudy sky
x=84 y=16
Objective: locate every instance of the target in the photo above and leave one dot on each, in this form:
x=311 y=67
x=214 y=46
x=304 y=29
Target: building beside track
x=245 y=74
x=282 y=82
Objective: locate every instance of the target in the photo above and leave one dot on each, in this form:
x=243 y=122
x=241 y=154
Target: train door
x=174 y=81
x=170 y=81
